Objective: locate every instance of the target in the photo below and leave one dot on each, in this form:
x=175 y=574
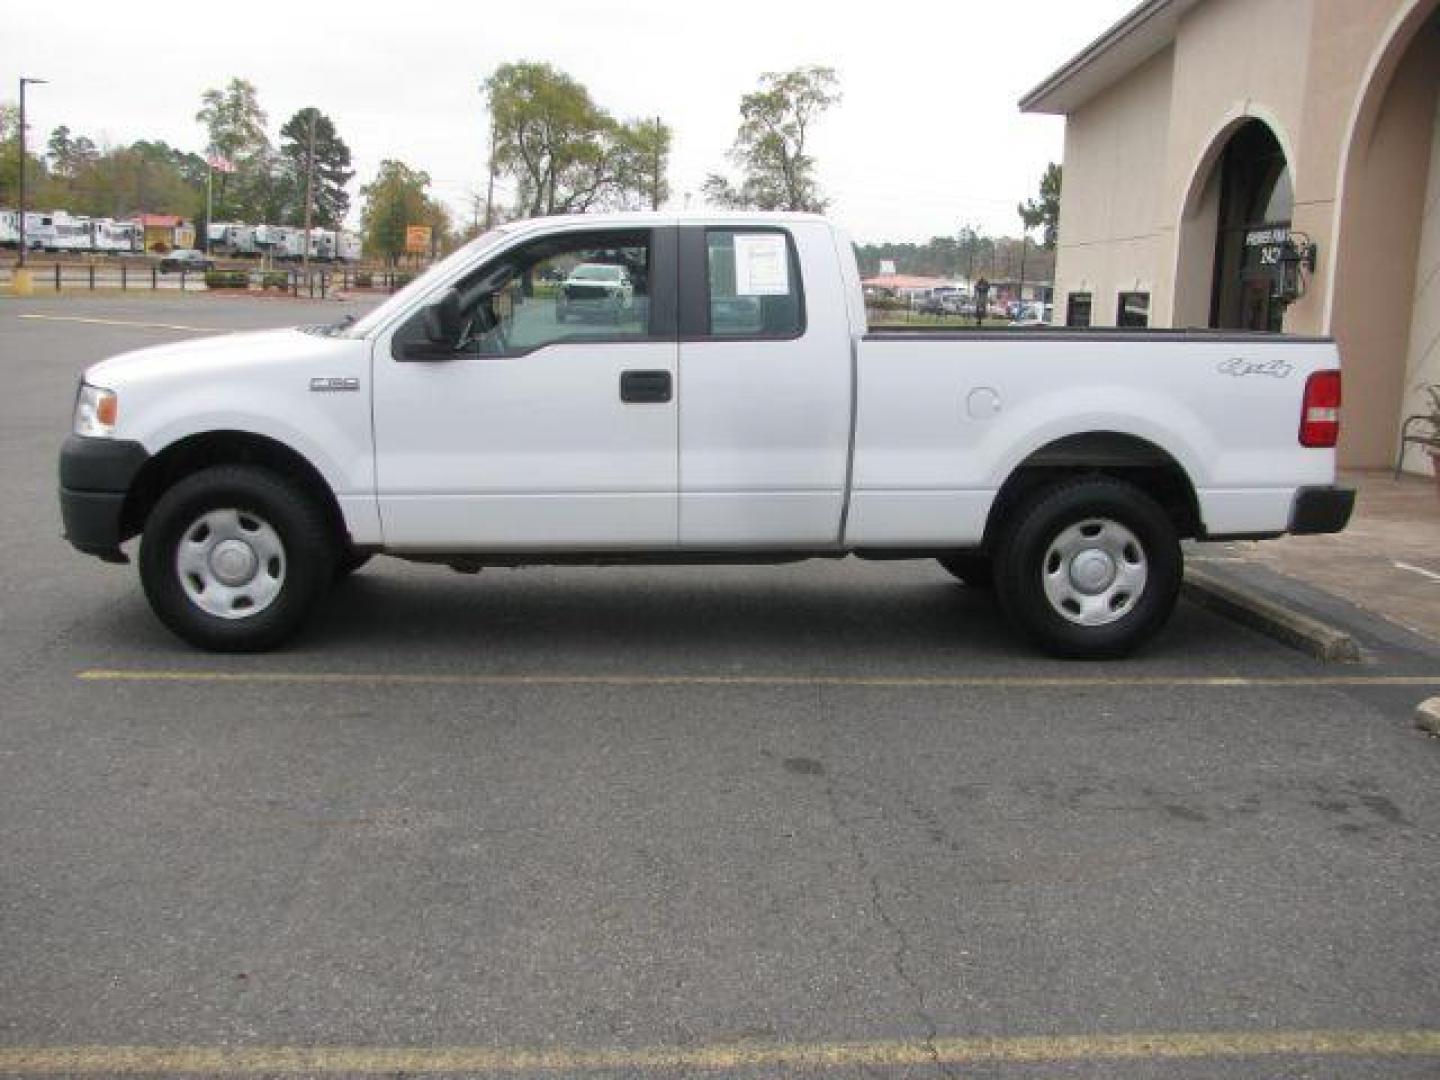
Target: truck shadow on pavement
x=771 y=619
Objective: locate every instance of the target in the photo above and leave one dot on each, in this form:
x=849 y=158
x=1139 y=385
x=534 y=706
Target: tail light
x=1320 y=413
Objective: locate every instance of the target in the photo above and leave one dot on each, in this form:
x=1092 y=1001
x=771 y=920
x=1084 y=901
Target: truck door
x=765 y=386
x=552 y=425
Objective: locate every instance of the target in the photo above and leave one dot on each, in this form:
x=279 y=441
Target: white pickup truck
x=735 y=409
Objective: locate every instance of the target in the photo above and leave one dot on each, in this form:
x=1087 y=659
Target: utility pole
x=20 y=135
x=655 y=189
x=309 y=192
x=490 y=168
x=1024 y=247
x=490 y=183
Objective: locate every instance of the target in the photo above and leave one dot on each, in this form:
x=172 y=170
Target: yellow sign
x=417 y=239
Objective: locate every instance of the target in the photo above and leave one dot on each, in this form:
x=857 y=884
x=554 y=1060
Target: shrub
x=275 y=279
x=364 y=279
x=402 y=279
x=227 y=279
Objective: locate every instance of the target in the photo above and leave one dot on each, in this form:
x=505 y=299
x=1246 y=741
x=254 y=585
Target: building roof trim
x=1145 y=31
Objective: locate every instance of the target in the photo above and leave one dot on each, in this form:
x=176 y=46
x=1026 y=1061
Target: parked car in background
x=186 y=259
x=596 y=291
x=1033 y=315
x=943 y=300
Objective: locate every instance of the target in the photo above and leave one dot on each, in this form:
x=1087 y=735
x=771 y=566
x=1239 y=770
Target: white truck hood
x=210 y=356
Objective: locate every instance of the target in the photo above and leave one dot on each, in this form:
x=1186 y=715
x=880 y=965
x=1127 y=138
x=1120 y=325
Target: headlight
x=96 y=410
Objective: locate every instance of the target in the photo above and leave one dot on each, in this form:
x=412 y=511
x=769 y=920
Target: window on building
x=1133 y=310
x=1077 y=309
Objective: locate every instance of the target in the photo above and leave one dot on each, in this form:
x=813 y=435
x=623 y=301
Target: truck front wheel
x=234 y=558
x=1089 y=568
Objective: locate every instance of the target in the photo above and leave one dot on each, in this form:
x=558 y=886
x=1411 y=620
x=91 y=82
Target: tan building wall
x=1112 y=219
x=1348 y=88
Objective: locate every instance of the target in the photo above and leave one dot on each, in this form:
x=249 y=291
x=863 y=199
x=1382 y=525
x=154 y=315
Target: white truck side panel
x=942 y=423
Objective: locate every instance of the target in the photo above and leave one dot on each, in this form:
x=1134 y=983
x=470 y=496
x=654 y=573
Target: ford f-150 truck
x=735 y=408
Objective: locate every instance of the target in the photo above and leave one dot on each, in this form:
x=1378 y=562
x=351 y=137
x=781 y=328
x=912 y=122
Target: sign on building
x=1265 y=251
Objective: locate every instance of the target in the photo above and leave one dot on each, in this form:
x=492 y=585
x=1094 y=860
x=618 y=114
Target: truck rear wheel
x=234 y=558
x=1089 y=569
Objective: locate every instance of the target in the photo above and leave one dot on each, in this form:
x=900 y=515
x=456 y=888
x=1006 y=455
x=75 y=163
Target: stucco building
x=1211 y=145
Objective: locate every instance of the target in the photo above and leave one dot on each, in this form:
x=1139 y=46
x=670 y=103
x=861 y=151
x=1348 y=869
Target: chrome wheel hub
x=1094 y=572
x=231 y=563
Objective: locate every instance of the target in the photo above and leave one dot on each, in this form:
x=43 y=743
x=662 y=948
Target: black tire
x=308 y=556
x=1021 y=568
x=972 y=568
x=350 y=561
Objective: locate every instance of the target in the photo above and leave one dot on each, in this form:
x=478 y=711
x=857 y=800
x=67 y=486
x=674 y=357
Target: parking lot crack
x=901 y=952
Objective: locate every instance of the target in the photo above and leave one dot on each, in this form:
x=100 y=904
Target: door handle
x=646 y=386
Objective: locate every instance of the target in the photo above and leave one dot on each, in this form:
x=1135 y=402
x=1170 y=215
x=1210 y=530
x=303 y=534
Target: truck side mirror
x=442 y=319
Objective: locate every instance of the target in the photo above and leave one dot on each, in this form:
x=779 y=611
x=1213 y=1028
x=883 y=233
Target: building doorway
x=1257 y=200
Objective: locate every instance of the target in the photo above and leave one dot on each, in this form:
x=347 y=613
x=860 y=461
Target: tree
x=331 y=168
x=235 y=124
x=565 y=153
x=396 y=198
x=1045 y=211
x=770 y=148
x=68 y=156
x=649 y=144
x=145 y=177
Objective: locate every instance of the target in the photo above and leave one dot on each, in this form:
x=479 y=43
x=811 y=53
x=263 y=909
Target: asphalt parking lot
x=830 y=818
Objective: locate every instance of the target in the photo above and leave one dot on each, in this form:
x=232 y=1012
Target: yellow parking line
x=401 y=678
x=126 y=322
x=479 y=1060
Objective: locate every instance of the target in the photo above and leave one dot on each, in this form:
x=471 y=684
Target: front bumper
x=1321 y=510
x=95 y=477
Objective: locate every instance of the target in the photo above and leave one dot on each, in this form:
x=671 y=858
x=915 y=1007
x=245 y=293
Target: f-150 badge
x=326 y=384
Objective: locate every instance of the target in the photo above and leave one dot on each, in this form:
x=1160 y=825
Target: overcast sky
x=928 y=135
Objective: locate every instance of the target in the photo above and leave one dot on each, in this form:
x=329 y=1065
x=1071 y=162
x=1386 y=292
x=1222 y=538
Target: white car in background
x=599 y=291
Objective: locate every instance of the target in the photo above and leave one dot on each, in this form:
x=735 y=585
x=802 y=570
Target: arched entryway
x=1235 y=219
x=1384 y=303
x=1257 y=199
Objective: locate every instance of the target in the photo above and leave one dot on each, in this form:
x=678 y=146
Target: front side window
x=1077 y=309
x=587 y=286
x=753 y=284
x=1133 y=310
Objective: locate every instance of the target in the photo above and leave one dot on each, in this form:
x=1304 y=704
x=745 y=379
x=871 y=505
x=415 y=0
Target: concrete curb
x=1271 y=618
x=1427 y=715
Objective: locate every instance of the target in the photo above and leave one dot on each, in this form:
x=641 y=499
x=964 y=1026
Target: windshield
x=401 y=299
x=596 y=273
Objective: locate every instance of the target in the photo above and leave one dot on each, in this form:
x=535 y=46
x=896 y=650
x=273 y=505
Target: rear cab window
x=753 y=287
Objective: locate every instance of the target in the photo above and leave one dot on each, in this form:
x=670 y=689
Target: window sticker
x=762 y=265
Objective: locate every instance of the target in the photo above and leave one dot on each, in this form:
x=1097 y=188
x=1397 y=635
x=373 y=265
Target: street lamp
x=24 y=82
